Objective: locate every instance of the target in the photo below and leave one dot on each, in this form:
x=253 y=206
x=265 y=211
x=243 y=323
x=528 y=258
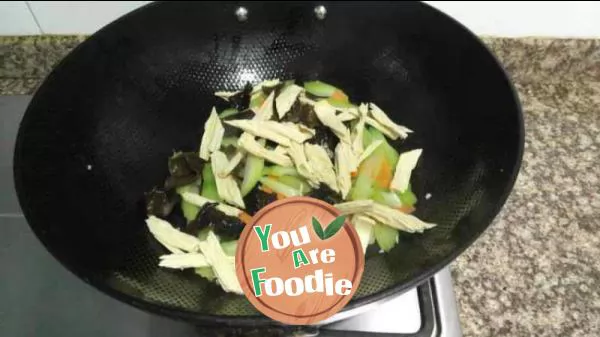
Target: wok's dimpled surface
x=143 y=86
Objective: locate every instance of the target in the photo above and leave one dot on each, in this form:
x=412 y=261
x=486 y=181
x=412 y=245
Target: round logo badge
x=299 y=262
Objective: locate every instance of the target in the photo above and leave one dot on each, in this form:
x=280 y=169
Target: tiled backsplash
x=16 y=19
x=60 y=17
x=496 y=18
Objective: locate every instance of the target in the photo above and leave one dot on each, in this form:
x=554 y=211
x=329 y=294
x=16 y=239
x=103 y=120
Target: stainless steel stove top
x=38 y=297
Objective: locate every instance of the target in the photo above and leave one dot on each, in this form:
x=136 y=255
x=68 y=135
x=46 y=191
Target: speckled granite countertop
x=536 y=271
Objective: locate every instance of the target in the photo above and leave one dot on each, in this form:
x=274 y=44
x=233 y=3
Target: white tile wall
x=79 y=17
x=526 y=18
x=498 y=18
x=16 y=19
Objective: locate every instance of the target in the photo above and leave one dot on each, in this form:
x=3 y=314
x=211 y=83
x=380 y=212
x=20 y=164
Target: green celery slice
x=257 y=99
x=367 y=138
x=206 y=272
x=253 y=170
x=407 y=197
x=279 y=187
x=278 y=171
x=229 y=247
x=319 y=88
x=367 y=172
x=390 y=153
x=228 y=112
x=362 y=187
x=386 y=197
x=189 y=210
x=385 y=236
x=340 y=103
x=209 y=187
x=203 y=234
x=297 y=183
x=229 y=141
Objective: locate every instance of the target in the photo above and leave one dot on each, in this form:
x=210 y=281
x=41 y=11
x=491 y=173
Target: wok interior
x=141 y=88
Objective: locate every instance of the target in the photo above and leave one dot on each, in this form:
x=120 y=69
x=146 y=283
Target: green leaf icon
x=334 y=226
x=318 y=229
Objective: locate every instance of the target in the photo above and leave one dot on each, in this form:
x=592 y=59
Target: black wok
x=98 y=132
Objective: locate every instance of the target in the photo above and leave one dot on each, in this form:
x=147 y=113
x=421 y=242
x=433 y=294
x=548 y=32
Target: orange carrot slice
x=339 y=95
x=384 y=176
x=406 y=209
x=266 y=189
x=245 y=217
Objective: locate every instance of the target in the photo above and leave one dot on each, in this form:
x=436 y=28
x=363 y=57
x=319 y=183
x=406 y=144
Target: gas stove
x=41 y=298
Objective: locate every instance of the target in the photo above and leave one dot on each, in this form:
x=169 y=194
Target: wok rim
x=261 y=320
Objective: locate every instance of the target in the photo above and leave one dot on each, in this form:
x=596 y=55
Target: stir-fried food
x=280 y=139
